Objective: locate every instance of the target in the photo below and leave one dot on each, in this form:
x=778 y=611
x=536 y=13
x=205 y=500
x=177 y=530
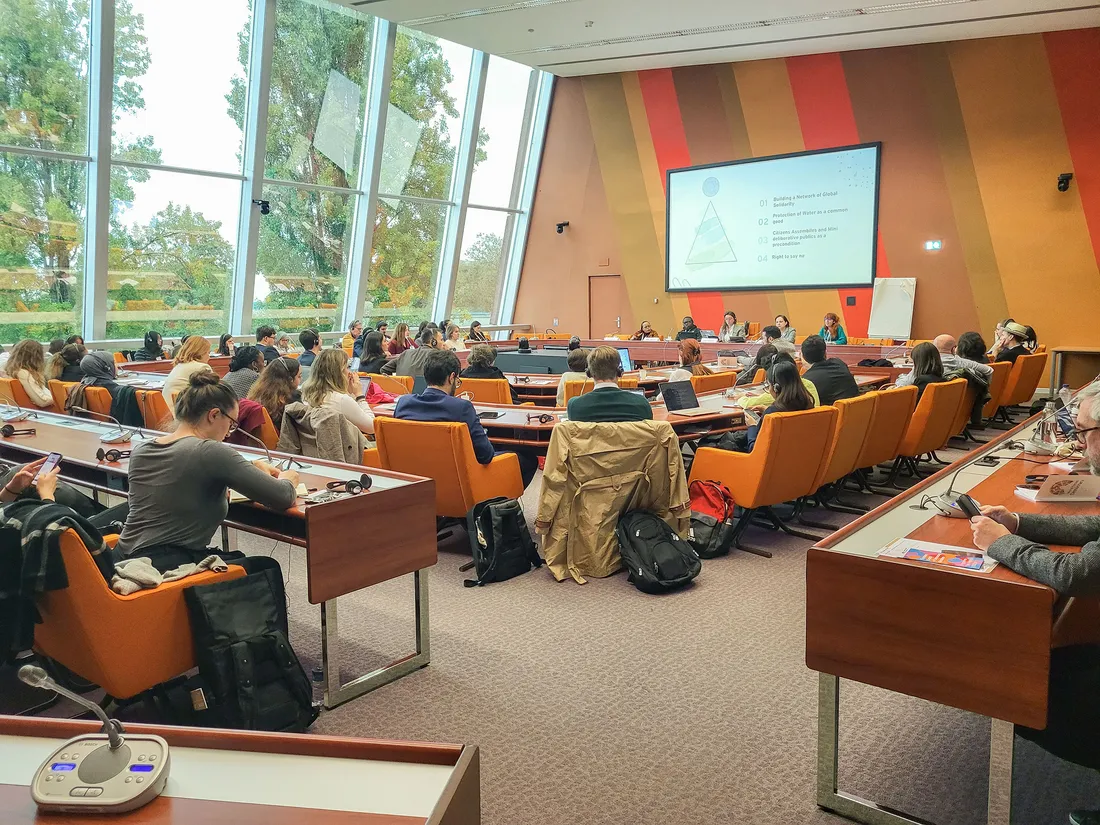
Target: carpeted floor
x=599 y=704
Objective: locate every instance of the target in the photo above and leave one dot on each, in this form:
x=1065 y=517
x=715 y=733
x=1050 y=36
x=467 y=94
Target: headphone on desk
x=8 y=430
x=352 y=486
x=543 y=418
x=112 y=455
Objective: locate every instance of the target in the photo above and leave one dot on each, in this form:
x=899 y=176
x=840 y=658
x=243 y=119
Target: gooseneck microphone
x=123 y=433
x=21 y=414
x=282 y=465
x=37 y=677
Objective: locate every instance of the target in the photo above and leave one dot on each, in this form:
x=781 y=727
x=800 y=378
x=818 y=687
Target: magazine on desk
x=943 y=555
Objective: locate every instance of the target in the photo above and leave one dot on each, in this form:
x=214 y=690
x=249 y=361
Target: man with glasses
x=438 y=403
x=1020 y=541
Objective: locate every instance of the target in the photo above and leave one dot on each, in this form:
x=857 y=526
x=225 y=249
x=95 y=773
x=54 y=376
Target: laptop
x=679 y=398
x=624 y=358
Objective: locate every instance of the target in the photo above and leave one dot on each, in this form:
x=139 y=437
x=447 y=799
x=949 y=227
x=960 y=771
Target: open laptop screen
x=624 y=358
x=679 y=395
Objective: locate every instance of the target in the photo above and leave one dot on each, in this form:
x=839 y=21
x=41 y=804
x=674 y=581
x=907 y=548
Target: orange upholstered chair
x=711 y=383
x=1024 y=379
x=12 y=390
x=487 y=390
x=393 y=384
x=98 y=400
x=753 y=330
x=930 y=425
x=760 y=377
x=119 y=358
x=857 y=342
x=575 y=388
x=371 y=458
x=785 y=465
x=443 y=451
x=962 y=415
x=893 y=409
x=1040 y=348
x=124 y=644
x=997 y=386
x=154 y=410
x=60 y=392
x=853 y=422
x=268 y=434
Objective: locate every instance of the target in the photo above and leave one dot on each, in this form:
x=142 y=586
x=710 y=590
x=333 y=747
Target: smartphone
x=52 y=460
x=968 y=505
x=489 y=414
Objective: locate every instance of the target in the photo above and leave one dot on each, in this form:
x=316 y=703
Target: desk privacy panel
x=975 y=134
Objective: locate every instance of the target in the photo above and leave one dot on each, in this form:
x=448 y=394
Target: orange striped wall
x=974 y=136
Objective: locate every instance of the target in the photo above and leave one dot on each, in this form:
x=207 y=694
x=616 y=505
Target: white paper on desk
x=1071 y=465
x=899 y=547
x=1067 y=488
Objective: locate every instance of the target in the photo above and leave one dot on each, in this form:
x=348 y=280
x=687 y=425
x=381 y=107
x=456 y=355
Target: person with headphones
x=606 y=402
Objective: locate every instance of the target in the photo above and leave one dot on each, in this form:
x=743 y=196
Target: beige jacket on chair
x=319 y=432
x=596 y=472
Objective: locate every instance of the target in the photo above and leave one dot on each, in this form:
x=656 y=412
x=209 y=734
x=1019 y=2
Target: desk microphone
x=97 y=772
x=887 y=355
x=123 y=434
x=23 y=413
x=282 y=465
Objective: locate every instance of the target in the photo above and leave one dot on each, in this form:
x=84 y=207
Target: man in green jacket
x=606 y=402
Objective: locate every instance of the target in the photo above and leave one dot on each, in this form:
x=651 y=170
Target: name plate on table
x=942 y=555
x=1064 y=488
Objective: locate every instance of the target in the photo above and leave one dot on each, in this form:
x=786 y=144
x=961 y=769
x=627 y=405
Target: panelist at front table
x=1019 y=542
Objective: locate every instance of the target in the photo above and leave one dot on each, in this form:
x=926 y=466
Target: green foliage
x=478 y=276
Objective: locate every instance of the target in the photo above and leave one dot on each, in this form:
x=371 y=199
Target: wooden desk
x=244 y=778
x=979 y=642
x=218 y=363
x=398 y=514
x=1075 y=366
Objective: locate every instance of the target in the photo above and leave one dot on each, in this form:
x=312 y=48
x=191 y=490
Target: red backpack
x=712 y=511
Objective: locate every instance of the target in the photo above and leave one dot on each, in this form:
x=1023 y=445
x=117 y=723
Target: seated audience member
x=1020 y=541
x=55 y=347
x=265 y=343
x=1032 y=340
x=283 y=344
x=772 y=335
x=27 y=364
x=691 y=358
x=98 y=370
x=226 y=345
x=331 y=384
x=1011 y=343
x=191 y=358
x=761 y=361
x=786 y=331
x=789 y=393
x=383 y=328
x=244 y=369
x=438 y=403
x=832 y=331
x=951 y=360
x=401 y=340
x=577 y=361
x=480 y=364
x=731 y=330
x=153 y=349
x=444 y=325
x=420 y=331
x=454 y=340
x=574 y=343
x=927 y=368
x=277 y=386
x=75 y=339
x=311 y=344
x=765 y=398
x=354 y=333
x=65 y=366
x=830 y=376
x=606 y=402
x=644 y=331
x=179 y=485
x=689 y=330
x=411 y=362
x=475 y=333
x=22 y=482
x=972 y=347
x=997 y=330
x=373 y=357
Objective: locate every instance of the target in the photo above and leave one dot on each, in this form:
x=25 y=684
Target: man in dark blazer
x=438 y=403
x=831 y=376
x=606 y=402
x=265 y=343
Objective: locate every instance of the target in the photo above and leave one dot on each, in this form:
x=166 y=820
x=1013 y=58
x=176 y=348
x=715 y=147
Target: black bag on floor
x=500 y=541
x=255 y=679
x=657 y=560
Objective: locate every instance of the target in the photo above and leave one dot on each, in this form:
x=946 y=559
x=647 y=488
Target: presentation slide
x=784 y=222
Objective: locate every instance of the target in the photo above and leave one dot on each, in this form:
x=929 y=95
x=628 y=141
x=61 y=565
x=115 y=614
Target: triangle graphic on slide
x=711 y=246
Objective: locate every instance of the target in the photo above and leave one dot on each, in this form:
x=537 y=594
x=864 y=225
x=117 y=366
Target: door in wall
x=608 y=306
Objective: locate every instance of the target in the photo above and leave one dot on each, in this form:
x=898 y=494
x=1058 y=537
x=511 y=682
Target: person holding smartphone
x=38 y=481
x=36 y=477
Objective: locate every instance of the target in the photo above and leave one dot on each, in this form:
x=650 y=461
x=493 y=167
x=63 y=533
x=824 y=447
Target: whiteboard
x=892 y=308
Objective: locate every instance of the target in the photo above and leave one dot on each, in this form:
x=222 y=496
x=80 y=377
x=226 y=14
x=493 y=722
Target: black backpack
x=657 y=560
x=254 y=678
x=500 y=541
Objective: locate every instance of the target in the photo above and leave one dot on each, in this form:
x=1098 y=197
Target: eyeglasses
x=1079 y=435
x=234 y=424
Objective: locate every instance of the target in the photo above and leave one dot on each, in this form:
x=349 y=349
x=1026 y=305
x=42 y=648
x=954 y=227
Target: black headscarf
x=99 y=371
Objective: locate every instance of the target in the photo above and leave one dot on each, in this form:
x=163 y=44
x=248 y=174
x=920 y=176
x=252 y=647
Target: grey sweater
x=178 y=492
x=1071 y=574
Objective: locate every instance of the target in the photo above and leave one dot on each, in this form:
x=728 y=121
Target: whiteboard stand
x=892 y=308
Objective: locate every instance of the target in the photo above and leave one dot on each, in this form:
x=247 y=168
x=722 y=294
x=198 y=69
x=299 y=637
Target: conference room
x=549 y=412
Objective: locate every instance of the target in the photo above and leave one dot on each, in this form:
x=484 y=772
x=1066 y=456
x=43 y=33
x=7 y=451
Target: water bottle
x=318 y=679
x=1066 y=394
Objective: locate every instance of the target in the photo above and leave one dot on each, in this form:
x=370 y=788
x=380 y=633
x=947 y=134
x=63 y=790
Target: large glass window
x=408 y=240
x=506 y=86
x=172 y=255
x=424 y=119
x=175 y=66
x=480 y=266
x=41 y=243
x=301 y=262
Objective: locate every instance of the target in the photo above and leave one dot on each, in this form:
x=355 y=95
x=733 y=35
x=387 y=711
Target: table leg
x=857 y=809
x=337 y=692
